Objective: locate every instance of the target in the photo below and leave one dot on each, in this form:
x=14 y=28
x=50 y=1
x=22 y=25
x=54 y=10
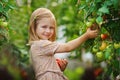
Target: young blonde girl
x=42 y=35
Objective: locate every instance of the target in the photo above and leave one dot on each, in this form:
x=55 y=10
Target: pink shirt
x=43 y=60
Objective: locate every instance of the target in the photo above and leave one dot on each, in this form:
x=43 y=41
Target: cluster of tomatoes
x=102 y=49
x=103 y=46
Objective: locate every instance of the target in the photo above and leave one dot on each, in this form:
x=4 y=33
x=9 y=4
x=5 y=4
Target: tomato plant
x=106 y=46
x=88 y=13
x=10 y=59
x=106 y=16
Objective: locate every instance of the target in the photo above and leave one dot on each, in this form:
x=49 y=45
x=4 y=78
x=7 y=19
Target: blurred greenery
x=73 y=14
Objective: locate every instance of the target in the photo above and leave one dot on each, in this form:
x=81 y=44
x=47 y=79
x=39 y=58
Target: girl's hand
x=92 y=33
x=62 y=63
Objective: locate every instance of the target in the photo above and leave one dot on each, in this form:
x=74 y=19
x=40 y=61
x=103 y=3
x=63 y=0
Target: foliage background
x=74 y=14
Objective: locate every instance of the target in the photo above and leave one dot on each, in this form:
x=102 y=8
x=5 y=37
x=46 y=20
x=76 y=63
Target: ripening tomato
x=104 y=36
x=103 y=45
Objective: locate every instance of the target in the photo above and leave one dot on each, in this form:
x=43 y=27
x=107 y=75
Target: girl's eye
x=44 y=26
x=51 y=27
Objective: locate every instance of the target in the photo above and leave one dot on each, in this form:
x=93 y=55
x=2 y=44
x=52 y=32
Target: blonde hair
x=37 y=15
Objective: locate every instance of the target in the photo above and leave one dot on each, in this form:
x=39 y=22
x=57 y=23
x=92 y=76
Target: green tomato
x=116 y=45
x=95 y=49
x=88 y=24
x=100 y=56
x=92 y=20
x=4 y=24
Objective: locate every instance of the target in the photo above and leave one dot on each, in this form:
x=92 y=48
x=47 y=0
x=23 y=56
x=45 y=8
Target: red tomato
x=58 y=60
x=104 y=36
x=98 y=71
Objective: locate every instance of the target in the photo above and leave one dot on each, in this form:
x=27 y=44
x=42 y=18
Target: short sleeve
x=46 y=47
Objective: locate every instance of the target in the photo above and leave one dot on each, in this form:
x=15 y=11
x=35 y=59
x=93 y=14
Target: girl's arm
x=73 y=44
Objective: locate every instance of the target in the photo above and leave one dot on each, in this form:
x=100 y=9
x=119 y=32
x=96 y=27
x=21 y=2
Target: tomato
x=5 y=24
x=94 y=26
x=92 y=20
x=58 y=60
x=88 y=24
x=104 y=36
x=95 y=49
x=116 y=45
x=103 y=45
x=98 y=71
x=23 y=73
x=100 y=56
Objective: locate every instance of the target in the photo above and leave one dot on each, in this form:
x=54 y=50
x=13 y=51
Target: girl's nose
x=47 y=30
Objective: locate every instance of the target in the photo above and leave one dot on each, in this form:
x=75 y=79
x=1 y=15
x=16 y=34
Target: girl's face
x=45 y=28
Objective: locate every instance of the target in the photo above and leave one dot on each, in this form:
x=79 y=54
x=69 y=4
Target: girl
x=42 y=34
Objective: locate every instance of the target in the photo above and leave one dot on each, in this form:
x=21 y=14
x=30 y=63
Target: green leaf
x=107 y=54
x=87 y=0
x=6 y=8
x=97 y=0
x=11 y=6
x=109 y=70
x=99 y=20
x=104 y=9
x=116 y=64
x=108 y=3
x=82 y=7
x=118 y=51
x=4 y=0
x=116 y=3
x=1 y=7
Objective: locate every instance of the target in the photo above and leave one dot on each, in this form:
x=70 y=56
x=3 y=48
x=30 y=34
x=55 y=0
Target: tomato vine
x=107 y=16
